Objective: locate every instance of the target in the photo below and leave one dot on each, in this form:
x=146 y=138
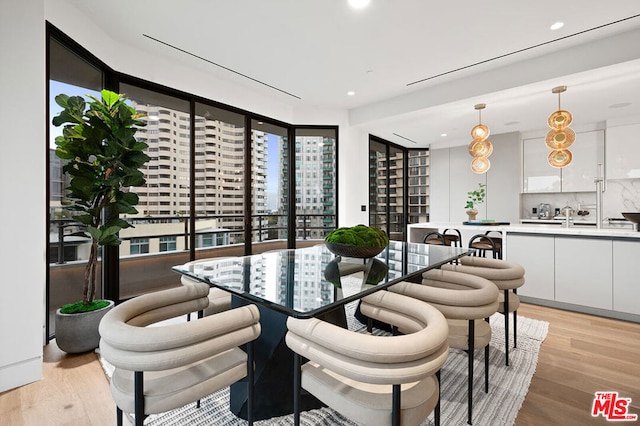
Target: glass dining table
x=304 y=283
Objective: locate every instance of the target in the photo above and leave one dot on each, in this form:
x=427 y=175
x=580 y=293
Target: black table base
x=273 y=387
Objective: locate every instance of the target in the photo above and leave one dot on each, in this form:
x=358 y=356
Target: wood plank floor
x=582 y=354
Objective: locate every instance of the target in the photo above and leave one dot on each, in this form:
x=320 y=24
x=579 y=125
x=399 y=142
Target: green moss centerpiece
x=359 y=241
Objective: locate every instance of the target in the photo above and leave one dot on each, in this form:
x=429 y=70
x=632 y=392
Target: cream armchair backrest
x=465 y=300
x=357 y=374
x=164 y=367
x=508 y=277
x=219 y=300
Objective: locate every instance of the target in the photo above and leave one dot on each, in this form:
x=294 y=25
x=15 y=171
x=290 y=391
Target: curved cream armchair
x=219 y=300
x=164 y=367
x=464 y=300
x=374 y=380
x=508 y=277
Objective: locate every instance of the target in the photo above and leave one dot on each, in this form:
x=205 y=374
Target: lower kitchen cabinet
x=626 y=272
x=584 y=271
x=536 y=254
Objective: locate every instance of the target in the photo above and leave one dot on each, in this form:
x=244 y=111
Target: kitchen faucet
x=599 y=180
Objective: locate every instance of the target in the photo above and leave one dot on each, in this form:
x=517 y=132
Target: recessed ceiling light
x=351 y=93
x=443 y=134
x=358 y=4
x=557 y=25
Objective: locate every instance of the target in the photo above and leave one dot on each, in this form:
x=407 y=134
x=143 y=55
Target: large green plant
x=104 y=160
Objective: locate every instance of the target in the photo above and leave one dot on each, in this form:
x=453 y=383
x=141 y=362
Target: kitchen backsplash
x=620 y=195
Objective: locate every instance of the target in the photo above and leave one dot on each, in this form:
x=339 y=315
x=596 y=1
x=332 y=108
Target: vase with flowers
x=473 y=198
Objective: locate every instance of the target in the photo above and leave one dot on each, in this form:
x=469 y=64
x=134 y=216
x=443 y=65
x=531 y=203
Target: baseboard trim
x=582 y=309
x=20 y=373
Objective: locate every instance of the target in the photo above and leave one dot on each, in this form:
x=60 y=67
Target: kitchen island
x=579 y=268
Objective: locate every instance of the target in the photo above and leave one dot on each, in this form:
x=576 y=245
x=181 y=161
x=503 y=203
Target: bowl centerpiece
x=359 y=241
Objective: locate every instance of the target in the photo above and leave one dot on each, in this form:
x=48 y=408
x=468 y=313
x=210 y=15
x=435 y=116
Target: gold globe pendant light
x=480 y=147
x=560 y=137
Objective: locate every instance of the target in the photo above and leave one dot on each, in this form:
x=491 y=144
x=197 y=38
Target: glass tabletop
x=309 y=281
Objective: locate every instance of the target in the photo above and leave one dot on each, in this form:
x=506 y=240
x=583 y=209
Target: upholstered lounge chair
x=464 y=300
x=508 y=277
x=164 y=367
x=374 y=380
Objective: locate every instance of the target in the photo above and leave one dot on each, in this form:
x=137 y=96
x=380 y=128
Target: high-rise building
x=315 y=193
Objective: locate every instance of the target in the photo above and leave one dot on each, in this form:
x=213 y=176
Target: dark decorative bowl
x=632 y=217
x=348 y=250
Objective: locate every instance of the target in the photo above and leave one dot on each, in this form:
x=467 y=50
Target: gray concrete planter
x=77 y=333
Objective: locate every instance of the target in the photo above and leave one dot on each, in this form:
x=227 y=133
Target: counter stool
x=508 y=277
x=464 y=300
x=453 y=237
x=435 y=238
x=484 y=242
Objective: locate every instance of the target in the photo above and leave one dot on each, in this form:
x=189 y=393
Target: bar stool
x=508 y=277
x=435 y=238
x=484 y=242
x=453 y=237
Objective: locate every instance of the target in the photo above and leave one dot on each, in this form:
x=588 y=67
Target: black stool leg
x=296 y=389
x=506 y=327
x=470 y=345
x=515 y=329
x=486 y=365
x=436 y=411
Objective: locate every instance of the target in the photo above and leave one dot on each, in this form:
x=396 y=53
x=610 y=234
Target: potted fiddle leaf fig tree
x=103 y=160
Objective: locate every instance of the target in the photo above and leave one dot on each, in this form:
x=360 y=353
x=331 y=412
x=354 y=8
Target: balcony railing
x=142 y=273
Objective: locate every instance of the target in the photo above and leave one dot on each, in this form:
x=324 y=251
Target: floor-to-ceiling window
x=269 y=183
x=418 y=185
x=219 y=182
x=315 y=182
x=219 y=178
x=161 y=225
x=398 y=187
x=73 y=75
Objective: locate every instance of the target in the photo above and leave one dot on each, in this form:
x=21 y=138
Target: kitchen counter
x=417 y=231
x=580 y=268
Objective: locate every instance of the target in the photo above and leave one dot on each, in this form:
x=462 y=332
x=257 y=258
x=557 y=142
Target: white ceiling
x=310 y=53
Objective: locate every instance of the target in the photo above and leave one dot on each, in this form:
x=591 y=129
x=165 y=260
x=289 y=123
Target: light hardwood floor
x=582 y=354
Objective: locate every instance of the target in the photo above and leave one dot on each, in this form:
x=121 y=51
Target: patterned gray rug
x=508 y=386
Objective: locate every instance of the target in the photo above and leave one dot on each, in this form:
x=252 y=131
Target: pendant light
x=480 y=147
x=560 y=137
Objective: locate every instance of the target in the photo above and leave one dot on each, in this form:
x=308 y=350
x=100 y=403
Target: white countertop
x=545 y=229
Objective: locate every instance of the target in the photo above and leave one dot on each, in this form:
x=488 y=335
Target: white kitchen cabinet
x=578 y=176
x=538 y=175
x=623 y=152
x=626 y=288
x=584 y=271
x=536 y=255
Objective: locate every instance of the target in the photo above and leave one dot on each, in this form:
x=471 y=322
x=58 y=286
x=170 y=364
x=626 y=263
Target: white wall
x=451 y=179
x=22 y=188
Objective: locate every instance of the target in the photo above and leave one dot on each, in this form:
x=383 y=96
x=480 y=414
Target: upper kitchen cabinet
x=623 y=152
x=580 y=174
x=539 y=176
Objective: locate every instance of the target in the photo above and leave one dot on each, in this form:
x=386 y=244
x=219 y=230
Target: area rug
x=508 y=386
